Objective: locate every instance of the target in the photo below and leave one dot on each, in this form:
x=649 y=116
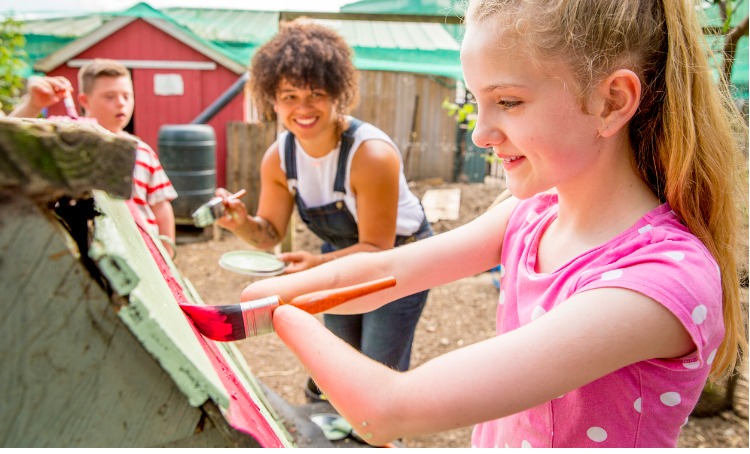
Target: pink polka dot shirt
x=641 y=405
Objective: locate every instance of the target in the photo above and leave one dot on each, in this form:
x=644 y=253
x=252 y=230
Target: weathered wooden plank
x=46 y=159
x=71 y=374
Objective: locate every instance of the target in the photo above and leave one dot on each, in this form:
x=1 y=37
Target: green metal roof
x=387 y=46
x=426 y=48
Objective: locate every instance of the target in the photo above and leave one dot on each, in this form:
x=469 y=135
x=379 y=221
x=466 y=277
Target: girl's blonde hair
x=687 y=134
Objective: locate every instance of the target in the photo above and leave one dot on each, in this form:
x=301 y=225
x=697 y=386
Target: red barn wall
x=140 y=40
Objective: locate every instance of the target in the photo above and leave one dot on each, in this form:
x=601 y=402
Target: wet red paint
x=215 y=325
x=243 y=413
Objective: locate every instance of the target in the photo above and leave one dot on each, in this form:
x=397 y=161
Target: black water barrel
x=188 y=155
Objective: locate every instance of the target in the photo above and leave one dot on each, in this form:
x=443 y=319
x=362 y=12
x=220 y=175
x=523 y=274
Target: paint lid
x=253 y=263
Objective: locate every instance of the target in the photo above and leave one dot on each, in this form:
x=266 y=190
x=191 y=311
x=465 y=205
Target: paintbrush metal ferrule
x=258 y=315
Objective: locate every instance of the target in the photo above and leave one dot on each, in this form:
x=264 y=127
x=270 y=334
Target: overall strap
x=347 y=140
x=290 y=157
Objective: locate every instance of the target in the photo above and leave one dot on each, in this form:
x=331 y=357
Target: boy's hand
x=46 y=91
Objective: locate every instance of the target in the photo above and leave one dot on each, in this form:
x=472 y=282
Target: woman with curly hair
x=345 y=176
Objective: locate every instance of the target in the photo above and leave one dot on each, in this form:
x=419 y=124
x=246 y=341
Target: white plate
x=253 y=263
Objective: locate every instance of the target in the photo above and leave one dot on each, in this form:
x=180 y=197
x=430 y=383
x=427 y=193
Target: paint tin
x=253 y=263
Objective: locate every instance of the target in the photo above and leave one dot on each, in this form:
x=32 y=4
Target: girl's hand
x=299 y=261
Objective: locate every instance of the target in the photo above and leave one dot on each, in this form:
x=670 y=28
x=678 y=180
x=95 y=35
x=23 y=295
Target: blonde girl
x=619 y=293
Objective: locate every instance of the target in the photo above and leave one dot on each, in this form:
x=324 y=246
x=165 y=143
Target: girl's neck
x=594 y=213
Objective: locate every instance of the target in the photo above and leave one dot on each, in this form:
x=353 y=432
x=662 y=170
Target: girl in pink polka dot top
x=618 y=290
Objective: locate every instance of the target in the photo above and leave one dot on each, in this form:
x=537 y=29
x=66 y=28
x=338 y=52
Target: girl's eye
x=507 y=105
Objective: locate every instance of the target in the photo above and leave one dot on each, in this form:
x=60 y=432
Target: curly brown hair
x=305 y=54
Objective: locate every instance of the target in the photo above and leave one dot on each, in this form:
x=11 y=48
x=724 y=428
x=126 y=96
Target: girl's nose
x=486 y=134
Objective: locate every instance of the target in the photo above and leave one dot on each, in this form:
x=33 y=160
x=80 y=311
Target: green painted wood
x=152 y=313
x=95 y=350
x=71 y=373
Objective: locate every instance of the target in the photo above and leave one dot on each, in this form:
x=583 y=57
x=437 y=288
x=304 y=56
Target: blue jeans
x=385 y=334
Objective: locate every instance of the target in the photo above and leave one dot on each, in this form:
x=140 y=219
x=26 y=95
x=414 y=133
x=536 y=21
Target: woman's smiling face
x=303 y=111
x=529 y=113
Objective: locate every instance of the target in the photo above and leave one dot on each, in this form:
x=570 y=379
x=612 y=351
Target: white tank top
x=315 y=178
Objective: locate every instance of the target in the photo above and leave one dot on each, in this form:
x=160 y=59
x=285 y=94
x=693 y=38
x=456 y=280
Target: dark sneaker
x=313 y=393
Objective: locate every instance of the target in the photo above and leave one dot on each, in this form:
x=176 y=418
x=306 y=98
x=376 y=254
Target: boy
x=106 y=94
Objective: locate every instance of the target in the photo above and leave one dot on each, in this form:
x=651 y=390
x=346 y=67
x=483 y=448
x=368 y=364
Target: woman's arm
x=267 y=228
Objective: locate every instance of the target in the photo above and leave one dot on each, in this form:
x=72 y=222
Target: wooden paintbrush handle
x=323 y=300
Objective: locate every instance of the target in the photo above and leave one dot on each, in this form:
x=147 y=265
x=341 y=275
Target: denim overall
x=385 y=334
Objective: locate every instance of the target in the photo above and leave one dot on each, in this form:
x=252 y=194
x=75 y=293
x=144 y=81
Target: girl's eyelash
x=508 y=104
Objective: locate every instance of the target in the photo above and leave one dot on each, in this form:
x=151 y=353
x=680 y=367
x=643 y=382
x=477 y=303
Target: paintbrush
x=70 y=106
x=233 y=322
x=212 y=210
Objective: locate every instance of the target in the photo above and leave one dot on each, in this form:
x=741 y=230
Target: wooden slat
x=71 y=374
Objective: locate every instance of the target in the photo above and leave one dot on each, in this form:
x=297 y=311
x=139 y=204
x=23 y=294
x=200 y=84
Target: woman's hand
x=300 y=260
x=235 y=212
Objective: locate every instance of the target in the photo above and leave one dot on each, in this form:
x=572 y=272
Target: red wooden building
x=176 y=74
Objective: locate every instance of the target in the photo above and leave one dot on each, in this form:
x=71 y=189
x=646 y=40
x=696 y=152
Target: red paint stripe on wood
x=243 y=413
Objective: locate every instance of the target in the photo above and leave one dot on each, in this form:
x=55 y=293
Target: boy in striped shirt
x=106 y=94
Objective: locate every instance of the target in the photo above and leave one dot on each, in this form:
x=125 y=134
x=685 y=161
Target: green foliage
x=464 y=114
x=12 y=63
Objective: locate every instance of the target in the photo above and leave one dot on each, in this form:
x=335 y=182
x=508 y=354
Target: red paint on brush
x=213 y=323
x=228 y=322
x=243 y=413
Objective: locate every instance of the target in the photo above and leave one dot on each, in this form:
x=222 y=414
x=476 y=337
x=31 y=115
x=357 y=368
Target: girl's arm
x=558 y=352
x=465 y=251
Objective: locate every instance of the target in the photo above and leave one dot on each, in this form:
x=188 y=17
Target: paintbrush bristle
x=221 y=323
x=208 y=213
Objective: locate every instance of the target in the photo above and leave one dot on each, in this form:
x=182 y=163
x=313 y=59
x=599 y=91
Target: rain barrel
x=188 y=155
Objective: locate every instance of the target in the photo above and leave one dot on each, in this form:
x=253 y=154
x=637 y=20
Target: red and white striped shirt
x=151 y=184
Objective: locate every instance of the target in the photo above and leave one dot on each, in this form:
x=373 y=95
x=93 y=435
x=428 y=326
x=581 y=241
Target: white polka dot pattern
x=692 y=364
x=675 y=255
x=699 y=314
x=612 y=275
x=596 y=434
x=658 y=258
x=671 y=399
x=711 y=357
x=537 y=312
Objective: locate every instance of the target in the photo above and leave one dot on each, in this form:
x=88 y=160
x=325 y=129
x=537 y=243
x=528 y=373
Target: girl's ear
x=620 y=97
